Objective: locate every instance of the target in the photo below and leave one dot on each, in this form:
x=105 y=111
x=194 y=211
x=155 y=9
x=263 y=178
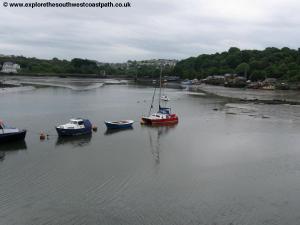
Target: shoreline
x=242 y=95
x=8 y=85
x=271 y=97
x=66 y=75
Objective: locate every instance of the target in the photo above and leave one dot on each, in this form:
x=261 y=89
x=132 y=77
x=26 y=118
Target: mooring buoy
x=42 y=136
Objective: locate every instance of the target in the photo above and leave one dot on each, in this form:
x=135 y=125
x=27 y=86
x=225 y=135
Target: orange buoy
x=42 y=136
x=95 y=128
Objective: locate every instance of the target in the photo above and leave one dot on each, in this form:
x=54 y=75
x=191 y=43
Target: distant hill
x=272 y=62
x=146 y=68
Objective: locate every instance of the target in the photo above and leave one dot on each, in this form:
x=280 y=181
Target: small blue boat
x=10 y=134
x=122 y=124
x=75 y=127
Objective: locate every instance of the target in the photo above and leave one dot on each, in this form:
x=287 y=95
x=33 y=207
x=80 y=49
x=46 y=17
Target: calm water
x=239 y=164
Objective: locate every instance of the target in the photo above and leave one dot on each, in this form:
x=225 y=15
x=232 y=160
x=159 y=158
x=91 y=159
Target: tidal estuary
x=225 y=163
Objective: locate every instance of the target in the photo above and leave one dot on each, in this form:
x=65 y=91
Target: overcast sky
x=149 y=29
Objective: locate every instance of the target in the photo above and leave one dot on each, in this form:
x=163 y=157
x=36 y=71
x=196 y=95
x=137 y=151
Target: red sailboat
x=163 y=116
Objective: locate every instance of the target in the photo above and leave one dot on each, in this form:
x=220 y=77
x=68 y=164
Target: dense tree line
x=53 y=66
x=82 y=66
x=254 y=64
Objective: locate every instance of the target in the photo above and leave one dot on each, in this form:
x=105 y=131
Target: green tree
x=243 y=69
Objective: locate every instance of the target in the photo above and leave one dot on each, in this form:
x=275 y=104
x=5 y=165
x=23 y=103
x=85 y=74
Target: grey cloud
x=150 y=29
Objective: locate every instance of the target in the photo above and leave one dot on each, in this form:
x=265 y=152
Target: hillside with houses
x=267 y=69
x=131 y=68
x=254 y=65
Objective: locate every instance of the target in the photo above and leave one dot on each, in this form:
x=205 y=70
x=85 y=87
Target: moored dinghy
x=75 y=127
x=122 y=124
x=10 y=134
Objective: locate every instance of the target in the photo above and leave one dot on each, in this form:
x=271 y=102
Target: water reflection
x=113 y=131
x=2 y=156
x=154 y=139
x=13 y=146
x=74 y=141
x=10 y=147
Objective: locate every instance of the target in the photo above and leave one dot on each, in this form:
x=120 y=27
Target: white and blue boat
x=75 y=127
x=9 y=134
x=122 y=124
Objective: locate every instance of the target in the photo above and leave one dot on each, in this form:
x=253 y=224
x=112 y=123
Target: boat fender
x=95 y=128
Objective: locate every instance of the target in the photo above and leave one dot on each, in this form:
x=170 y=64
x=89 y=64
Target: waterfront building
x=10 y=67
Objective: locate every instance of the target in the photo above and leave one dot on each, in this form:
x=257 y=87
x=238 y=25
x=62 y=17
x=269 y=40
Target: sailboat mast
x=160 y=85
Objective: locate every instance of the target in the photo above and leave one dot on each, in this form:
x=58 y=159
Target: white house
x=9 y=67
